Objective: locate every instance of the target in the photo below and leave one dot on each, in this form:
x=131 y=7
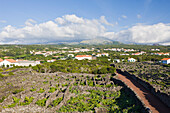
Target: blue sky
x=123 y=14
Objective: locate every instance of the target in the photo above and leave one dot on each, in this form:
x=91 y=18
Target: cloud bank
x=74 y=28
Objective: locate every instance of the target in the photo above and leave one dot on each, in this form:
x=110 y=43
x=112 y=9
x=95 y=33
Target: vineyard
x=29 y=91
x=155 y=74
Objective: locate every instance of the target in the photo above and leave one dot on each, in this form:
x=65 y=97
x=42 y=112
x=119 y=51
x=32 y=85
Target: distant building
x=124 y=54
x=166 y=60
x=83 y=57
x=26 y=63
x=1 y=60
x=102 y=54
x=139 y=53
x=84 y=50
x=160 y=54
x=52 y=60
x=12 y=62
x=131 y=60
x=155 y=49
x=8 y=62
x=116 y=60
x=70 y=55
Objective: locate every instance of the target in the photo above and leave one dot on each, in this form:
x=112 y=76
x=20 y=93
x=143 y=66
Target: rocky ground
x=28 y=91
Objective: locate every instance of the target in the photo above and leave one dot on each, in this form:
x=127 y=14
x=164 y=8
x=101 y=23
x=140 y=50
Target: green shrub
x=16 y=100
x=1 y=75
x=18 y=91
x=45 y=82
x=11 y=73
x=63 y=85
x=27 y=101
x=41 y=102
x=41 y=90
x=33 y=89
x=52 y=89
x=57 y=101
x=2 y=99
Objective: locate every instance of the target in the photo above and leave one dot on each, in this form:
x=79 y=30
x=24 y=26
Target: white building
x=8 y=62
x=26 y=63
x=116 y=60
x=70 y=55
x=166 y=60
x=12 y=62
x=131 y=60
x=83 y=57
x=52 y=60
x=102 y=54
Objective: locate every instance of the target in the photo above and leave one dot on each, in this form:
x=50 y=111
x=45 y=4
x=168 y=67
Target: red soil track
x=148 y=99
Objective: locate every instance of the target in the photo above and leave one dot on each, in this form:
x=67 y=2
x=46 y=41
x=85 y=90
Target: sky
x=127 y=21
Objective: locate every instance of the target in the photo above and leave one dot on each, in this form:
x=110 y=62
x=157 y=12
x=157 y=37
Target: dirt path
x=150 y=101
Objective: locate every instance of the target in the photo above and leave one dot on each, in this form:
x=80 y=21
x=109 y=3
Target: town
x=116 y=55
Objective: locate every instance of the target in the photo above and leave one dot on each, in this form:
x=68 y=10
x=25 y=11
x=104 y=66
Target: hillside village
x=64 y=53
x=56 y=78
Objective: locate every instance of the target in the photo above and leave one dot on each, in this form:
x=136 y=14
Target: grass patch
x=41 y=90
x=33 y=89
x=52 y=89
x=41 y=102
x=18 y=91
x=16 y=101
x=27 y=101
x=2 y=99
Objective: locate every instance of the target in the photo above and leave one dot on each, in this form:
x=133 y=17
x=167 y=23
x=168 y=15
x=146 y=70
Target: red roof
x=11 y=60
x=83 y=56
x=165 y=58
x=1 y=60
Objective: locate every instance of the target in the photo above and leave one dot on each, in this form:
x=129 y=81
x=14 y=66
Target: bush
x=2 y=99
x=33 y=89
x=63 y=85
x=52 y=89
x=57 y=101
x=41 y=102
x=1 y=75
x=27 y=101
x=16 y=100
x=11 y=73
x=41 y=90
x=18 y=91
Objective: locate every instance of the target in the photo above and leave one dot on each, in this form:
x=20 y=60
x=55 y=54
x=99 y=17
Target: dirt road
x=150 y=101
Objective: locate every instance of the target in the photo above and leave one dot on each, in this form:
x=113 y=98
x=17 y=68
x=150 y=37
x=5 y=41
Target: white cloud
x=139 y=16
x=60 y=20
x=73 y=19
x=68 y=27
x=3 y=21
x=104 y=21
x=30 y=22
x=71 y=27
x=124 y=16
x=157 y=33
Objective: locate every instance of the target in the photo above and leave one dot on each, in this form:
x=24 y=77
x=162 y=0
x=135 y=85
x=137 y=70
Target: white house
x=116 y=60
x=52 y=60
x=70 y=55
x=166 y=60
x=26 y=63
x=8 y=62
x=105 y=54
x=102 y=54
x=83 y=57
x=131 y=60
x=11 y=62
